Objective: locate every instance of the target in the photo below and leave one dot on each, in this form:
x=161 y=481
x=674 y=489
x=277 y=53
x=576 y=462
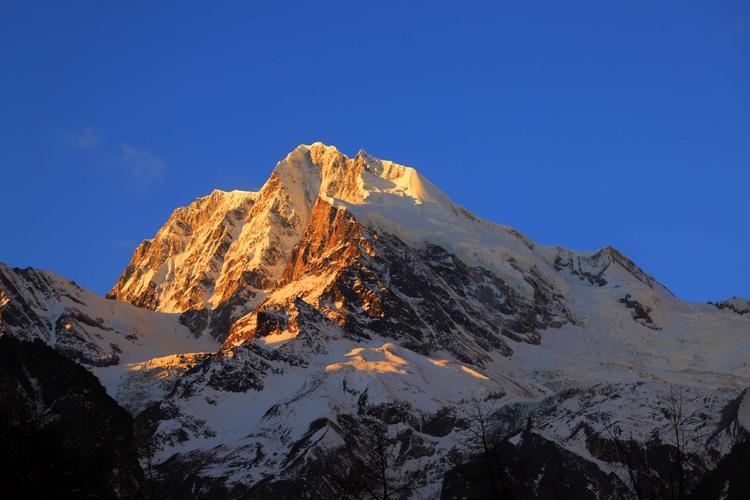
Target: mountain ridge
x=392 y=197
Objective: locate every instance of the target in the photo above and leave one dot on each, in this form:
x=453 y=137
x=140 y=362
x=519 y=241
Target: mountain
x=279 y=343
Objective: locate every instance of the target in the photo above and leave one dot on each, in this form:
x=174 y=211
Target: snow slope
x=106 y=335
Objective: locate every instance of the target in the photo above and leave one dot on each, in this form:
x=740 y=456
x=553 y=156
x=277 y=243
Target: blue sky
x=582 y=124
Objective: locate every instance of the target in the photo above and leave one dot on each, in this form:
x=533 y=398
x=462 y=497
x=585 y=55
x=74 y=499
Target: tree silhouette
x=370 y=465
x=656 y=469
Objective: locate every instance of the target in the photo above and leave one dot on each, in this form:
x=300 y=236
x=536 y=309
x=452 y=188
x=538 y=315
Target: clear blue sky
x=580 y=123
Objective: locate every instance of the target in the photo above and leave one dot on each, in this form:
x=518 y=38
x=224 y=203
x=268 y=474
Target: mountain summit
x=243 y=236
x=230 y=247
x=269 y=343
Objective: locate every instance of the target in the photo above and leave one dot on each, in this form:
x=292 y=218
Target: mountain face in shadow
x=61 y=435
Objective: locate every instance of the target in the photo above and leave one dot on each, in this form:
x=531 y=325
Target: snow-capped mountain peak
x=323 y=171
x=232 y=246
x=219 y=257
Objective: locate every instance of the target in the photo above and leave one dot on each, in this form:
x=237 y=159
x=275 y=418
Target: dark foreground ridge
x=61 y=435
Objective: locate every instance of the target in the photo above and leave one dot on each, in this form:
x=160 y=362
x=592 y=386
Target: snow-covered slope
x=348 y=291
x=105 y=335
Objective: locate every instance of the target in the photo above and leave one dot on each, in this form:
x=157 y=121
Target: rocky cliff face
x=373 y=284
x=176 y=270
x=358 y=309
